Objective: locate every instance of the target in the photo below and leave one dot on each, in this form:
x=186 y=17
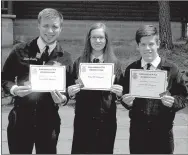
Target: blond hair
x=50 y=14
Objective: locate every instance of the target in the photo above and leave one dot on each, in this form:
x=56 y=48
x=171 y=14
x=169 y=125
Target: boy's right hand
x=128 y=99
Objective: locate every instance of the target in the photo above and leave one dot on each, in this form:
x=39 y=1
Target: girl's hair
x=108 y=54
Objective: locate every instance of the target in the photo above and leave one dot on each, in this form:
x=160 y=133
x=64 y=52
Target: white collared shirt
x=42 y=46
x=101 y=59
x=154 y=63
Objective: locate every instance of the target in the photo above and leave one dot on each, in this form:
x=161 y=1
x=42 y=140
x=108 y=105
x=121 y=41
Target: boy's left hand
x=167 y=100
x=58 y=97
x=117 y=89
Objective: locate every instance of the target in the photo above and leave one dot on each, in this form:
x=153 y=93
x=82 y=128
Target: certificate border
x=164 y=71
x=30 y=66
x=111 y=64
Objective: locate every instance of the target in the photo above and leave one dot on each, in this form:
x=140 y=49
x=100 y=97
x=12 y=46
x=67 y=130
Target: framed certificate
x=44 y=78
x=96 y=76
x=147 y=83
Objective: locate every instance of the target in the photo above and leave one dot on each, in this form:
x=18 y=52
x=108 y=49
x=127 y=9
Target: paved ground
x=121 y=143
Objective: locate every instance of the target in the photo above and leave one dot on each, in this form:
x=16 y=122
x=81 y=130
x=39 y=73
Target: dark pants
x=23 y=136
x=147 y=139
x=93 y=136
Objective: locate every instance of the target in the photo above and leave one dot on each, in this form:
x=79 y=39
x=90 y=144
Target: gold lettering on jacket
x=34 y=59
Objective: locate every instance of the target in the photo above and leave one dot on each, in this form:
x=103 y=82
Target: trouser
x=93 y=136
x=146 y=140
x=22 y=137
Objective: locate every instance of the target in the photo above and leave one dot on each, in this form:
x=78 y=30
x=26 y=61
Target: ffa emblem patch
x=56 y=63
x=135 y=76
x=83 y=69
x=38 y=55
x=34 y=71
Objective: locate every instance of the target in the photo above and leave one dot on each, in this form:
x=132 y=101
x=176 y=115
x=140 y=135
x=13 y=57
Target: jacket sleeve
x=184 y=80
x=75 y=72
x=125 y=83
x=9 y=71
x=178 y=91
x=118 y=73
x=69 y=77
x=73 y=76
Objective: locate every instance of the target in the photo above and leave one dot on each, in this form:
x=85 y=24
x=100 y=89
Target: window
x=6 y=7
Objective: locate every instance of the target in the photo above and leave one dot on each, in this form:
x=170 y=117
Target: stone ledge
x=8 y=16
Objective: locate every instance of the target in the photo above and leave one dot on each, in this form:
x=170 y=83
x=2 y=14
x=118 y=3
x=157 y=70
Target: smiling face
x=148 y=47
x=97 y=39
x=50 y=29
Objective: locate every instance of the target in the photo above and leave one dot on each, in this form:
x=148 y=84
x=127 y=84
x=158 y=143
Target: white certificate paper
x=97 y=76
x=147 y=83
x=44 y=78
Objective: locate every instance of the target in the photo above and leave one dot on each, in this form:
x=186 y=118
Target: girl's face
x=97 y=39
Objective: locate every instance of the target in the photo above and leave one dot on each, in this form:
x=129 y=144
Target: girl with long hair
x=95 y=110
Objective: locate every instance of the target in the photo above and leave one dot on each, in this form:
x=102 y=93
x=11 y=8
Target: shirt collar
x=101 y=59
x=42 y=45
x=154 y=63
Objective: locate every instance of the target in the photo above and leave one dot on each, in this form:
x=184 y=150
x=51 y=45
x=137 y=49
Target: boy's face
x=148 y=47
x=50 y=29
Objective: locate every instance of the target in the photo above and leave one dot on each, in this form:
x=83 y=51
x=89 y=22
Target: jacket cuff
x=12 y=89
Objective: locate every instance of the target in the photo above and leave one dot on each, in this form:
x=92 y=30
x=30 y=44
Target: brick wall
x=91 y=10
x=26 y=29
x=101 y=10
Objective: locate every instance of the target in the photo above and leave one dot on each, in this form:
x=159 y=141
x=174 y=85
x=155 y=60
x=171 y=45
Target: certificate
x=147 y=83
x=96 y=76
x=44 y=78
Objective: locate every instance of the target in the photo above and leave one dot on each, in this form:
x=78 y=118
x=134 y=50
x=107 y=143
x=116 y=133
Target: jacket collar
x=34 y=49
x=164 y=65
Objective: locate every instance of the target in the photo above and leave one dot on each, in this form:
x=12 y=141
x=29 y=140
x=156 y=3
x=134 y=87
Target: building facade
x=122 y=17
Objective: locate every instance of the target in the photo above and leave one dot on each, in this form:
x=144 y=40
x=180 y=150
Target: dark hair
x=50 y=13
x=108 y=53
x=146 y=30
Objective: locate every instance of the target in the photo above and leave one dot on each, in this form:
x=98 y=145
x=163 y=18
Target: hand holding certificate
x=147 y=83
x=97 y=76
x=45 y=78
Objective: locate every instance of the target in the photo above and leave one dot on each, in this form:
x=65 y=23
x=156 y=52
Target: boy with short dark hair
x=151 y=120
